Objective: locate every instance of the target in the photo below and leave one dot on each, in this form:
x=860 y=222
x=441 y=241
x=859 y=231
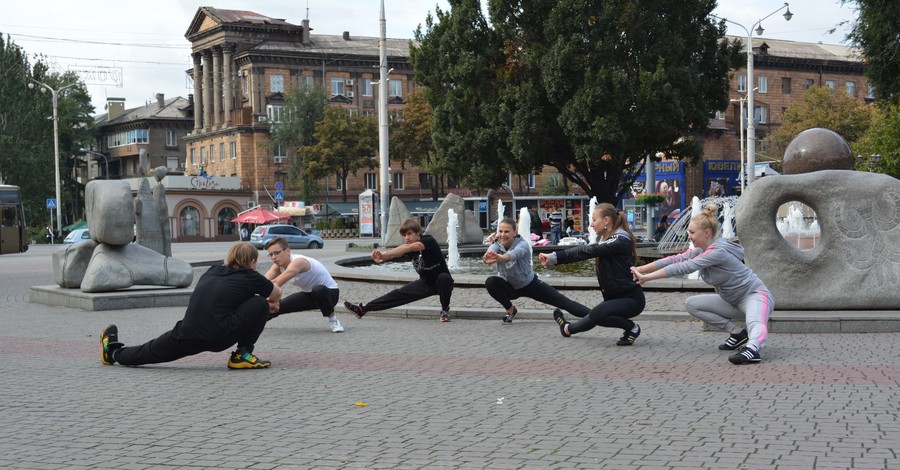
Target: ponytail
x=619 y=221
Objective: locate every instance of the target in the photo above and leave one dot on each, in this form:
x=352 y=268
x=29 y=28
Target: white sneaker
x=336 y=326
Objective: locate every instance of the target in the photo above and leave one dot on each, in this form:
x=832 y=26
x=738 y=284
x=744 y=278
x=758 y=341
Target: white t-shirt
x=316 y=276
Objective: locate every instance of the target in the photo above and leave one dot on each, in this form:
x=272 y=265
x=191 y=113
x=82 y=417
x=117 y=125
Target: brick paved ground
x=467 y=394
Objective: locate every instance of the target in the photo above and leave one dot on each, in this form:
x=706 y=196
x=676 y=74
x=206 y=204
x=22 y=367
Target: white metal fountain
x=452 y=239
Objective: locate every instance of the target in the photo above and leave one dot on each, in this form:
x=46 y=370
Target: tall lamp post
x=96 y=154
x=751 y=125
x=54 y=94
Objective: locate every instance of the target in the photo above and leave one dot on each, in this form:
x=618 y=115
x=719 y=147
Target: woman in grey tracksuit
x=740 y=294
x=515 y=275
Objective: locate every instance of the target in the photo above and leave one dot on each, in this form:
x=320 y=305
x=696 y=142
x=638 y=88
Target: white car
x=567 y=241
x=76 y=236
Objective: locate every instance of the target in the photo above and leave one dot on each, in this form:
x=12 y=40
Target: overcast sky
x=146 y=40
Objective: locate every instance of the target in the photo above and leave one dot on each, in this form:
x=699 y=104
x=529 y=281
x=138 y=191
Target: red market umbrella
x=259 y=216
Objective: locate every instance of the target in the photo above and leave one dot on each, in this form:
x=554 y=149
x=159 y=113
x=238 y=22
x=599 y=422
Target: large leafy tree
x=304 y=107
x=876 y=31
x=411 y=139
x=345 y=142
x=820 y=107
x=882 y=138
x=587 y=87
x=26 y=132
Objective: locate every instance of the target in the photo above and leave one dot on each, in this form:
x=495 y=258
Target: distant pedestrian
x=245 y=233
x=230 y=304
x=515 y=275
x=740 y=294
x=50 y=235
x=555 y=218
x=318 y=289
x=615 y=254
x=537 y=226
x=429 y=263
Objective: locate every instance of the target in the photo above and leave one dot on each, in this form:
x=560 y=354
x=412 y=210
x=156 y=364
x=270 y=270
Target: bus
x=13 y=229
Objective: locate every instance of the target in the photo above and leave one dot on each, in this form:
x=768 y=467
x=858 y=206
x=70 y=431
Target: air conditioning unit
x=349 y=82
x=350 y=94
x=251 y=204
x=279 y=160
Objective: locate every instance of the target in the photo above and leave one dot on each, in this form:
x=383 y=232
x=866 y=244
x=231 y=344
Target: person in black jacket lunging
x=615 y=253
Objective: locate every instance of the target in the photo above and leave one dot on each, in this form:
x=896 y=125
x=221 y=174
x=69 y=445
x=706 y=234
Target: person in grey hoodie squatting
x=515 y=276
x=740 y=295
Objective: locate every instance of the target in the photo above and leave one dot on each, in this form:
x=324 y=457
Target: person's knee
x=692 y=305
x=493 y=282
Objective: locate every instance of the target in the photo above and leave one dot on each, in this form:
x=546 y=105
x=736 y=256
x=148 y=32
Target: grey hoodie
x=721 y=266
x=518 y=272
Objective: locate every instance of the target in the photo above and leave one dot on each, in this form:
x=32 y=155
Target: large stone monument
x=109 y=261
x=856 y=263
x=467 y=230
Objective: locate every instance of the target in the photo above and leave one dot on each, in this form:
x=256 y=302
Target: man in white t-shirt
x=318 y=288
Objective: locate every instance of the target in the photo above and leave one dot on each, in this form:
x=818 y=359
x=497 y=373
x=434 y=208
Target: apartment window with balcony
x=171 y=139
x=424 y=181
x=762 y=84
x=830 y=84
x=276 y=83
x=234 y=150
x=337 y=86
x=742 y=83
x=809 y=83
x=274 y=112
x=851 y=89
x=396 y=87
x=371 y=179
x=397 y=180
x=367 y=87
x=786 y=85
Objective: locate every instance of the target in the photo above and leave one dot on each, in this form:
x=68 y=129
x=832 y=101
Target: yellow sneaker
x=246 y=361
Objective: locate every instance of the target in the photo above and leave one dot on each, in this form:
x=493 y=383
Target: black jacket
x=614 y=261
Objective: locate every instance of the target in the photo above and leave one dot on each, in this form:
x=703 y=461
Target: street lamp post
x=95 y=154
x=54 y=94
x=751 y=125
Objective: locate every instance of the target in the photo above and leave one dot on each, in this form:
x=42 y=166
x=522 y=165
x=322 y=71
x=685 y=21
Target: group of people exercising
x=232 y=303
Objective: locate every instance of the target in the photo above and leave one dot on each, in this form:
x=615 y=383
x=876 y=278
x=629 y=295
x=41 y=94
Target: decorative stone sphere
x=816 y=149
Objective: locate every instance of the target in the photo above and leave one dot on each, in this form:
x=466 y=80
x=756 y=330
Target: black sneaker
x=628 y=337
x=355 y=308
x=445 y=316
x=508 y=318
x=561 y=321
x=747 y=355
x=246 y=361
x=735 y=341
x=109 y=342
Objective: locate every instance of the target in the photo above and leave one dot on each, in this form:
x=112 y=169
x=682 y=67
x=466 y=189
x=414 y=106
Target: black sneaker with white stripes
x=747 y=355
x=734 y=341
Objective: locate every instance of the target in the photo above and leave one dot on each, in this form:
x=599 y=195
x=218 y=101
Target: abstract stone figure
x=816 y=149
x=146 y=216
x=437 y=228
x=855 y=265
x=110 y=261
x=162 y=207
x=396 y=216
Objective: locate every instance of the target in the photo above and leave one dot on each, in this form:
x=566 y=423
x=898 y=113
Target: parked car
x=295 y=237
x=77 y=235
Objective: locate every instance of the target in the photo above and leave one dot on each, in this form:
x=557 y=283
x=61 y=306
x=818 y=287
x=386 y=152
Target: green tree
x=345 y=142
x=882 y=138
x=587 y=87
x=26 y=132
x=820 y=107
x=876 y=32
x=410 y=138
x=304 y=107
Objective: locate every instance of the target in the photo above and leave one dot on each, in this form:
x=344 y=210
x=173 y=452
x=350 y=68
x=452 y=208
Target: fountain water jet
x=452 y=239
x=592 y=234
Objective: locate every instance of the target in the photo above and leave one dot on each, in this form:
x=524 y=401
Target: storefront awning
x=341 y=208
x=422 y=207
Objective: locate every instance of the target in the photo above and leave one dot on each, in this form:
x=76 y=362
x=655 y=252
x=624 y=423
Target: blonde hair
x=619 y=221
x=241 y=255
x=708 y=218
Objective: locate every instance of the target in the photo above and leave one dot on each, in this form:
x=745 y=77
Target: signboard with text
x=367 y=213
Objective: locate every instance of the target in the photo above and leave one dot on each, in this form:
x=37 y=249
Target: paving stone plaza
x=407 y=391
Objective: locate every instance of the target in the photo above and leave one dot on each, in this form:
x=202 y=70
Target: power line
x=102 y=43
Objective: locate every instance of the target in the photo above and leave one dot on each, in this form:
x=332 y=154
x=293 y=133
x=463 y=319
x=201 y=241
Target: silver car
x=295 y=237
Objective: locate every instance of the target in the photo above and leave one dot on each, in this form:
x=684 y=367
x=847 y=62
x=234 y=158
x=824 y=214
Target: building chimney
x=346 y=35
x=115 y=107
x=161 y=100
x=305 y=34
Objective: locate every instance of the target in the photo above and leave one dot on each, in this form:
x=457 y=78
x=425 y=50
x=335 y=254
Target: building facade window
x=212 y=153
x=338 y=182
x=203 y=155
x=189 y=219
x=424 y=181
x=134 y=136
x=397 y=180
x=337 y=86
x=396 y=88
x=222 y=151
x=851 y=89
x=371 y=179
x=308 y=80
x=786 y=85
x=742 y=83
x=280 y=151
x=171 y=139
x=234 y=150
x=224 y=225
x=172 y=163
x=829 y=84
x=276 y=83
x=762 y=84
x=529 y=181
x=870 y=91
x=367 y=87
x=274 y=112
x=193 y=158
x=760 y=114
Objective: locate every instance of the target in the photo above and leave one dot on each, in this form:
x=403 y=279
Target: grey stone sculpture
x=398 y=213
x=855 y=265
x=437 y=228
x=816 y=149
x=109 y=261
x=162 y=208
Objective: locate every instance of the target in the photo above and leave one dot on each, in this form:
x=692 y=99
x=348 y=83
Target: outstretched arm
x=297 y=266
x=394 y=253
